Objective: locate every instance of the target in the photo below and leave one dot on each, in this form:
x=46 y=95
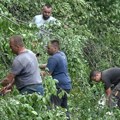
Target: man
x=57 y=68
x=111 y=80
x=45 y=18
x=24 y=72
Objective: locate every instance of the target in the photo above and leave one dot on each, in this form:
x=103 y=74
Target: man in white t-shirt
x=45 y=18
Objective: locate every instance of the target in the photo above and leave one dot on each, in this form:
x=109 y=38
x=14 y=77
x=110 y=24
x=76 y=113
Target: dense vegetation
x=90 y=40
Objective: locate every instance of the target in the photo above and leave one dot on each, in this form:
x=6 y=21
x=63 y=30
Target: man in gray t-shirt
x=25 y=73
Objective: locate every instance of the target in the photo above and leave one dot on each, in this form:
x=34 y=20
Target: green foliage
x=89 y=35
x=32 y=106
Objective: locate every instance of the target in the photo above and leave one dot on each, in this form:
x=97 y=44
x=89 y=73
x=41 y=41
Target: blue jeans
x=29 y=89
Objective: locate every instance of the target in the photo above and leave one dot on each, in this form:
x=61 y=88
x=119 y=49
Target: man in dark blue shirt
x=57 y=65
x=58 y=69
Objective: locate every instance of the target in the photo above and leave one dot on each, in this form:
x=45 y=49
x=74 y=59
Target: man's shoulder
x=38 y=16
x=108 y=73
x=112 y=70
x=24 y=55
x=59 y=55
x=30 y=51
x=53 y=57
x=52 y=18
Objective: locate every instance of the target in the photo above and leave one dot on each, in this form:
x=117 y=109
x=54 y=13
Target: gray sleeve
x=17 y=67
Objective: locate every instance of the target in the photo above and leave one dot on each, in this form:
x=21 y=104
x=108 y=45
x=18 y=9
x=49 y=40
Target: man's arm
x=49 y=67
x=7 y=84
x=8 y=80
x=108 y=92
x=43 y=66
x=45 y=72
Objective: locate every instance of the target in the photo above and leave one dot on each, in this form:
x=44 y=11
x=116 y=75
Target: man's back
x=111 y=77
x=57 y=64
x=25 y=67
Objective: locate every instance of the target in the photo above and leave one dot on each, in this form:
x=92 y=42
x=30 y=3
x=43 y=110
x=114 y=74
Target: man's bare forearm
x=8 y=80
x=43 y=66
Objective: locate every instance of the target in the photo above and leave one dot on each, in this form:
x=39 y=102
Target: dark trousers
x=56 y=100
x=61 y=101
x=114 y=99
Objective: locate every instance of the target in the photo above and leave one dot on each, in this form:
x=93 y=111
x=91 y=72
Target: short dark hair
x=93 y=74
x=56 y=43
x=18 y=40
x=48 y=5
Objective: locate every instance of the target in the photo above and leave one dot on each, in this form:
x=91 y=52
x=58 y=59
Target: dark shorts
x=29 y=89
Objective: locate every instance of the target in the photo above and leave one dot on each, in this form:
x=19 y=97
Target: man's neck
x=56 y=52
x=22 y=50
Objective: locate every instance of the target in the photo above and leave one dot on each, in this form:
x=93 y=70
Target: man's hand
x=43 y=66
x=43 y=73
x=8 y=80
x=108 y=92
x=5 y=90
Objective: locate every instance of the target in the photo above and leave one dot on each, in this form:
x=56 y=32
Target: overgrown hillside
x=90 y=41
